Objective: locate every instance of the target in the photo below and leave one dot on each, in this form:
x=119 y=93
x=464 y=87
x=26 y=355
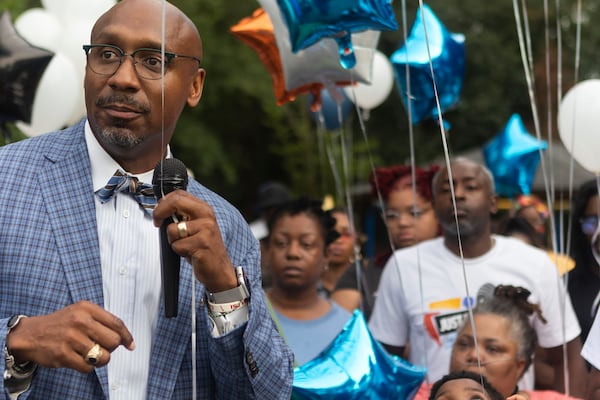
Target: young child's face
x=462 y=389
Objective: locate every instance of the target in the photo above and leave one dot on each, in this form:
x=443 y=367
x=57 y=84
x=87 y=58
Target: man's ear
x=493 y=204
x=196 y=88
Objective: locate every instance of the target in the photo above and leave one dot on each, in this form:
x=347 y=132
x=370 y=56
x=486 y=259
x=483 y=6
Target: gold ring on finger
x=93 y=356
x=183 y=231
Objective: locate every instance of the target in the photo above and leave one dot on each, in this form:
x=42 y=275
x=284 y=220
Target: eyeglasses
x=589 y=224
x=415 y=213
x=105 y=59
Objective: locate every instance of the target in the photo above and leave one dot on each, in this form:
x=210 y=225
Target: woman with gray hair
x=504 y=343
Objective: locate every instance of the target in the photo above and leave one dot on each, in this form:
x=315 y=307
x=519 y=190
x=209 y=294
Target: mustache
x=122 y=99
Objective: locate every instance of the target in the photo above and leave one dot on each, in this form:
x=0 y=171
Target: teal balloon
x=513 y=157
x=447 y=51
x=355 y=366
x=309 y=21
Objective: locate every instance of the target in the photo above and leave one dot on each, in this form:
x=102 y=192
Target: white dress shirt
x=130 y=256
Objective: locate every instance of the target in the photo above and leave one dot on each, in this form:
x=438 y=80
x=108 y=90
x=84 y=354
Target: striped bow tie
x=122 y=182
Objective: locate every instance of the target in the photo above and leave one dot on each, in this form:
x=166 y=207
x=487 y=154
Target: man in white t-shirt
x=591 y=352
x=425 y=290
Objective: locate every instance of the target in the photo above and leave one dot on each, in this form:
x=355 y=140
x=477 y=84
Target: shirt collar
x=104 y=166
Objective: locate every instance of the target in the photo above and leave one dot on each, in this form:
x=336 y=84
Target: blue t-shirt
x=308 y=338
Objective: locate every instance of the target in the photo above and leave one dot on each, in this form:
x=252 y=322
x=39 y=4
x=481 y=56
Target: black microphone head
x=169 y=175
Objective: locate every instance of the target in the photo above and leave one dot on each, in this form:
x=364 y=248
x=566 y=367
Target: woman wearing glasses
x=584 y=280
x=409 y=218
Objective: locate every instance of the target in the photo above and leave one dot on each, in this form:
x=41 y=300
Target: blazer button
x=251 y=364
x=253 y=370
x=249 y=357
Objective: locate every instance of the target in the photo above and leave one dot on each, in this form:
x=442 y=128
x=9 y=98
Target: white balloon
x=75 y=34
x=58 y=8
x=55 y=98
x=62 y=26
x=579 y=123
x=70 y=10
x=40 y=28
x=79 y=111
x=369 y=96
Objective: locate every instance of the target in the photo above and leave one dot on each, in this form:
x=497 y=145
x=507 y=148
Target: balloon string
x=549 y=112
x=450 y=178
x=162 y=85
x=365 y=137
x=572 y=159
x=347 y=151
x=596 y=236
x=321 y=149
x=549 y=198
x=550 y=187
x=163 y=144
x=411 y=135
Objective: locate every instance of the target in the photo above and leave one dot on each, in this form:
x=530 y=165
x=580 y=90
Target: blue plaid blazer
x=49 y=258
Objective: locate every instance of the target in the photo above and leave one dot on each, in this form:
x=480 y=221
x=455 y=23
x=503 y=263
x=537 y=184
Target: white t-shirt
x=422 y=297
x=591 y=348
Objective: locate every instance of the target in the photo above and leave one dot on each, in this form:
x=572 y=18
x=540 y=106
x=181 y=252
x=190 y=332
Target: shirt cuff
x=224 y=323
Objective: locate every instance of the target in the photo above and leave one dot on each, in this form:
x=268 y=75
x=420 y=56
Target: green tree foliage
x=238 y=137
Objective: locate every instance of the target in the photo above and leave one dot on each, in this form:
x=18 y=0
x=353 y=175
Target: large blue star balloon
x=355 y=366
x=513 y=157
x=309 y=21
x=447 y=51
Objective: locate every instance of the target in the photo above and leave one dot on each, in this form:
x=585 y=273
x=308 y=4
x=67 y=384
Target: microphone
x=169 y=175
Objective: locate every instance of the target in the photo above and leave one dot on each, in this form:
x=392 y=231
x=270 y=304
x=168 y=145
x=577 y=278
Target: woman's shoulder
x=548 y=395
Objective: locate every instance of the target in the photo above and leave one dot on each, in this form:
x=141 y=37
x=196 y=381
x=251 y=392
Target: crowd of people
x=417 y=294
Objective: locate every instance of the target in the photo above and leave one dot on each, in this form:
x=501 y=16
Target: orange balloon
x=257 y=32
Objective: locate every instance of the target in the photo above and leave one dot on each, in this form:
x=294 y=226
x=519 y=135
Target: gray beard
x=119 y=137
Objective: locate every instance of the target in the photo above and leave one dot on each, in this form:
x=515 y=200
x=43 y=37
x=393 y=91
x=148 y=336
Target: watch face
x=14 y=320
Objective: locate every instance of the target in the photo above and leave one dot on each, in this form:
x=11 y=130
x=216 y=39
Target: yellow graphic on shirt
x=452 y=304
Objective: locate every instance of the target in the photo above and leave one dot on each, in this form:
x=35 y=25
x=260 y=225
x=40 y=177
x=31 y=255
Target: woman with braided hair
x=503 y=346
x=506 y=341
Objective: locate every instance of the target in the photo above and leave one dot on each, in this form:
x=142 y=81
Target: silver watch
x=12 y=370
x=238 y=293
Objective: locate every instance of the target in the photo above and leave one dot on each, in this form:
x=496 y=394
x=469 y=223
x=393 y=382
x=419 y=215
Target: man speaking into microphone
x=81 y=313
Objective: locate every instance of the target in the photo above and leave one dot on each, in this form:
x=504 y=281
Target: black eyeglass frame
x=169 y=55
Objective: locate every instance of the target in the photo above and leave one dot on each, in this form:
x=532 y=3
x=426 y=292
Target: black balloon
x=21 y=68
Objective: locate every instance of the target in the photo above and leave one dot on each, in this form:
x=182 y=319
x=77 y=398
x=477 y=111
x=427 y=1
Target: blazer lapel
x=66 y=185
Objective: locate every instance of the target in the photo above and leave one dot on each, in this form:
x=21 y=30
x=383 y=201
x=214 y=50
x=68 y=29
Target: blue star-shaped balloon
x=355 y=366
x=513 y=157
x=447 y=52
x=309 y=21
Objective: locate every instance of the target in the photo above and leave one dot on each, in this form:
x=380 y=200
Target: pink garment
x=425 y=389
x=548 y=395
